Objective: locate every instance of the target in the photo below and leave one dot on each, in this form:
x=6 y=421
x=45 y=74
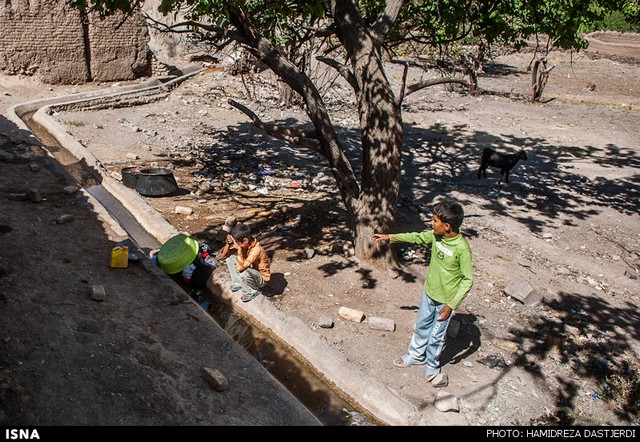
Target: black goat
x=505 y=161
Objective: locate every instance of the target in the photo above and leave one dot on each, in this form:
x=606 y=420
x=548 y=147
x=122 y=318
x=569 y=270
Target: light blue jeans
x=250 y=279
x=429 y=336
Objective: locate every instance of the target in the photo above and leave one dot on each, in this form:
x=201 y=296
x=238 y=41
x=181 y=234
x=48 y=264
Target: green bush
x=615 y=21
x=612 y=21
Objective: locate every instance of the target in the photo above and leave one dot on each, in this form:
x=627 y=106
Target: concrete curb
x=381 y=402
x=378 y=399
x=152 y=221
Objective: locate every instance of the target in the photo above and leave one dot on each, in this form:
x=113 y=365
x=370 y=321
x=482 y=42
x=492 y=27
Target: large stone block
x=523 y=292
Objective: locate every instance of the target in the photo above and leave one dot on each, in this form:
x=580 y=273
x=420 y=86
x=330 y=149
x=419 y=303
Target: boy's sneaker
x=235 y=288
x=249 y=296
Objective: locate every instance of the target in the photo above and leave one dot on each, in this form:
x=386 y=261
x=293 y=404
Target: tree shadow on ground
x=442 y=159
x=587 y=337
x=436 y=161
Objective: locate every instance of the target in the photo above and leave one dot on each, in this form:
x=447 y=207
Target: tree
x=356 y=38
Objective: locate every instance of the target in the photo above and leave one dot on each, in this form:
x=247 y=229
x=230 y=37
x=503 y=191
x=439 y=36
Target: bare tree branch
x=321 y=32
x=293 y=136
x=403 y=88
x=342 y=70
x=404 y=62
x=434 y=81
x=185 y=27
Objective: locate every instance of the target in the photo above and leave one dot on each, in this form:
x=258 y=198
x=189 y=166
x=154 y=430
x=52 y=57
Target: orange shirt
x=255 y=258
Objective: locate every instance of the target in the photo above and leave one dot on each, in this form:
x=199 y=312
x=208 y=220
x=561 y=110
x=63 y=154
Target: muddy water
x=301 y=381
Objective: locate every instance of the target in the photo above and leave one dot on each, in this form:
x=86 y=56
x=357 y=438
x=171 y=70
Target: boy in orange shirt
x=247 y=262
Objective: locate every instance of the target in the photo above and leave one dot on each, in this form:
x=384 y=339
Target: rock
x=440 y=381
x=98 y=293
x=214 y=378
x=229 y=223
x=629 y=274
x=283 y=209
x=309 y=253
x=505 y=345
x=63 y=219
x=381 y=323
x=132 y=156
x=348 y=249
x=493 y=361
x=325 y=322
x=574 y=331
x=22 y=196
x=34 y=167
x=446 y=402
x=351 y=314
x=34 y=196
x=183 y=210
x=70 y=190
x=336 y=247
x=393 y=273
x=205 y=186
x=523 y=292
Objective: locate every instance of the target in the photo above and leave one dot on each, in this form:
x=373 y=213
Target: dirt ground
x=567 y=223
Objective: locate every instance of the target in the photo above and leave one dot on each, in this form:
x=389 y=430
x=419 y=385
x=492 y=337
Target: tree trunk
x=539 y=77
x=381 y=137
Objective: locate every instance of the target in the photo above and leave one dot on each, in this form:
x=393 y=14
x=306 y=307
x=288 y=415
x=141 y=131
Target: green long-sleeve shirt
x=450 y=275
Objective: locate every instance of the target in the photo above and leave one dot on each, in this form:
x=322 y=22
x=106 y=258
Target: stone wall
x=49 y=39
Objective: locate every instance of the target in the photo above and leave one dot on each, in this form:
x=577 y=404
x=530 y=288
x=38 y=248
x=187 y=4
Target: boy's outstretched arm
x=378 y=237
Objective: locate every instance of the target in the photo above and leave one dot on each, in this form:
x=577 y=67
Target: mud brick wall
x=49 y=39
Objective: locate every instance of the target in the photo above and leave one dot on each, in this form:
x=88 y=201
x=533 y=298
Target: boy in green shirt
x=448 y=282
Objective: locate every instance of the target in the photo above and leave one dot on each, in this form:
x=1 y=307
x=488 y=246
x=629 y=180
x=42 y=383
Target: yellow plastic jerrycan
x=120 y=257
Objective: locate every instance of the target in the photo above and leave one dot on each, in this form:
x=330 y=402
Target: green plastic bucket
x=177 y=253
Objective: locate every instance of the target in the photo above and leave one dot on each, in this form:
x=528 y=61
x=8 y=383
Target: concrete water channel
x=299 y=377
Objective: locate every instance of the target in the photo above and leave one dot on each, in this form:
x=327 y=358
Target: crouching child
x=247 y=262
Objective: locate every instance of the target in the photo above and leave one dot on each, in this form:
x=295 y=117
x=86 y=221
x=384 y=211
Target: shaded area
x=544 y=184
x=84 y=174
x=130 y=358
x=596 y=340
x=436 y=161
x=281 y=364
